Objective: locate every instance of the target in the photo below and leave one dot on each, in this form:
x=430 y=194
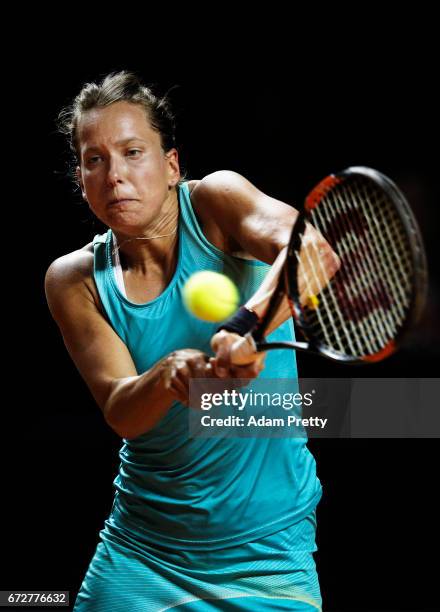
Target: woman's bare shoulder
x=192 y=184
x=71 y=277
x=73 y=267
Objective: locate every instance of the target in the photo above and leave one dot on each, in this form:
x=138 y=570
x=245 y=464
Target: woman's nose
x=115 y=173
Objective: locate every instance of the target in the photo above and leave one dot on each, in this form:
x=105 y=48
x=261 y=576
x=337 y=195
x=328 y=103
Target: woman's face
x=125 y=175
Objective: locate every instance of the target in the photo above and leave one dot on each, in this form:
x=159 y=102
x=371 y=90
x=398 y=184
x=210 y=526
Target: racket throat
x=295 y=346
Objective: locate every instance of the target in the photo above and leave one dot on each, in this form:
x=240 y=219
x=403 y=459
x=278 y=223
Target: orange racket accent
x=385 y=352
x=320 y=191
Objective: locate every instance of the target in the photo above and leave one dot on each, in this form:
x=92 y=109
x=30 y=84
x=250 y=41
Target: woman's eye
x=94 y=159
x=134 y=152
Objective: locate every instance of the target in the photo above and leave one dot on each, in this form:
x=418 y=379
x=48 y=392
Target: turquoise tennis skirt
x=276 y=572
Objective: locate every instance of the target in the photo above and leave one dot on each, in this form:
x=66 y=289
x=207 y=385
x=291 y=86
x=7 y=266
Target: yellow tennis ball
x=210 y=296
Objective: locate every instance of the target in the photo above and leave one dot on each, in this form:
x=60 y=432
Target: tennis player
x=196 y=524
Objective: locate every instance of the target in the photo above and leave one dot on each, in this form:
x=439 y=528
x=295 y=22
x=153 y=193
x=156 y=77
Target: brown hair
x=116 y=87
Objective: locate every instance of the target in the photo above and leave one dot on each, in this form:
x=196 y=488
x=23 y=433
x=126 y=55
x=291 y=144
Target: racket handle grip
x=244 y=351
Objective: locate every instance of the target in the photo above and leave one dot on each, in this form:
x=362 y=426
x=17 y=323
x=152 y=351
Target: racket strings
x=374 y=292
x=367 y=295
x=383 y=221
x=396 y=264
x=348 y=292
x=317 y=288
x=328 y=320
x=380 y=270
x=363 y=306
x=401 y=255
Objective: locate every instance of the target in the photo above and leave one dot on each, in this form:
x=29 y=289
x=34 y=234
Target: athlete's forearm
x=260 y=300
x=318 y=263
x=137 y=403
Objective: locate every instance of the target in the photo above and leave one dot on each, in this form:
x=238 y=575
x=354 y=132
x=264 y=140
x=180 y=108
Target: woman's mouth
x=122 y=201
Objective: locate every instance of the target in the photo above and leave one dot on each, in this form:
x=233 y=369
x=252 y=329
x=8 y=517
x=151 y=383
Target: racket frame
x=288 y=285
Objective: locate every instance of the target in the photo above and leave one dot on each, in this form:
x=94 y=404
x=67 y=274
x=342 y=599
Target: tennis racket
x=364 y=311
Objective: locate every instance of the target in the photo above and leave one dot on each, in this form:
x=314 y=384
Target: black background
x=283 y=117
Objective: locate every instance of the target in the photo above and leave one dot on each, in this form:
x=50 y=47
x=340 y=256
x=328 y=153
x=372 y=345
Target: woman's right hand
x=182 y=365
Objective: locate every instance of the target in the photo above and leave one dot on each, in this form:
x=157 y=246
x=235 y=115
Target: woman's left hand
x=251 y=363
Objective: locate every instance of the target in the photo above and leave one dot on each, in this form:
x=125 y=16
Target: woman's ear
x=172 y=158
x=80 y=182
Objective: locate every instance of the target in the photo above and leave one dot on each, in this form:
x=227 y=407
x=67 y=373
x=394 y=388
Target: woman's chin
x=127 y=222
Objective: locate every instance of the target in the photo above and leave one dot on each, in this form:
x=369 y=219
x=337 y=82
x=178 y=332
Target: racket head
x=368 y=307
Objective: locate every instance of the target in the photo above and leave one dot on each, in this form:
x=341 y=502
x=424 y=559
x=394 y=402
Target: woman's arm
x=131 y=403
x=261 y=226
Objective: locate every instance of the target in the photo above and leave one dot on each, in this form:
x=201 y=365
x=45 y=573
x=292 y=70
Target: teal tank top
x=187 y=492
